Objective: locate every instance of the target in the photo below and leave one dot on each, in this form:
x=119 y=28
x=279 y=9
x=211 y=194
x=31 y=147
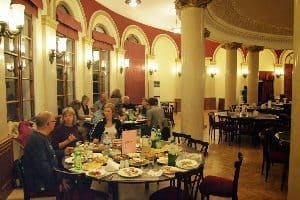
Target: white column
x=50 y=87
x=120 y=70
x=294 y=172
x=231 y=73
x=253 y=67
x=193 y=67
x=87 y=79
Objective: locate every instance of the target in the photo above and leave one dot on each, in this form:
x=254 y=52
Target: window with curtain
x=101 y=69
x=65 y=75
x=19 y=74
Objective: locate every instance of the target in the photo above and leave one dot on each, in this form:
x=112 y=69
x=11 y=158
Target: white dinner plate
x=187 y=164
x=69 y=160
x=97 y=173
x=130 y=172
x=162 y=160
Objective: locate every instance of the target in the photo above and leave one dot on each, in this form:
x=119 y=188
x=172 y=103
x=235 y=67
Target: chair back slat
x=199 y=145
x=191 y=180
x=181 y=138
x=237 y=165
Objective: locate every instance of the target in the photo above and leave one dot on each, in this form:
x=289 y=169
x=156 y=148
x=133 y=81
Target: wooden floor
x=220 y=163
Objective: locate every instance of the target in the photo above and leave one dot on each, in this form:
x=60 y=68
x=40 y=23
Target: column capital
x=120 y=50
x=206 y=33
x=232 y=45
x=254 y=48
x=48 y=21
x=87 y=40
x=180 y=4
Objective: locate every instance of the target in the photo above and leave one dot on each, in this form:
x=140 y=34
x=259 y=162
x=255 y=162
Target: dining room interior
x=223 y=72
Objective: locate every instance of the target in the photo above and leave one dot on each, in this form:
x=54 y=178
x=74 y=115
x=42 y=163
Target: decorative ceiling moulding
x=230 y=12
x=179 y=4
x=224 y=32
x=232 y=45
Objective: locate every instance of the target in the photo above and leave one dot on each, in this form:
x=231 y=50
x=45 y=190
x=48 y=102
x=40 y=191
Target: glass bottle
x=172 y=154
x=77 y=158
x=106 y=141
x=158 y=139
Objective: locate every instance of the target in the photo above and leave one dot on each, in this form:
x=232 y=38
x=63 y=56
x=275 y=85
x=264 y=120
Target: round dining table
x=113 y=178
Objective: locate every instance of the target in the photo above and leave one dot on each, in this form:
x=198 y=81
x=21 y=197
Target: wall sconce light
x=279 y=72
x=90 y=60
x=178 y=66
x=89 y=64
x=61 y=49
x=212 y=71
x=11 y=18
x=245 y=73
x=124 y=64
x=153 y=67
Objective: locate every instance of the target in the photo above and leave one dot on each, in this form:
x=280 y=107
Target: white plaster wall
x=266 y=60
x=165 y=55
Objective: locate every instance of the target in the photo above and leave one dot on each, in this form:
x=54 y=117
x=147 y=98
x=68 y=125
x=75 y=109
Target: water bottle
x=158 y=139
x=106 y=140
x=153 y=138
x=172 y=154
x=77 y=159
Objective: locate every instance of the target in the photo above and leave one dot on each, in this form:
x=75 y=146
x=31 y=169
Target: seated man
x=40 y=158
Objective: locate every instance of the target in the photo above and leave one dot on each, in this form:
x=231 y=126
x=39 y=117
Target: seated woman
x=143 y=107
x=107 y=125
x=66 y=134
x=84 y=111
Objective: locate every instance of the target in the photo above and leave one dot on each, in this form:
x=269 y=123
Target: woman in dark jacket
x=107 y=125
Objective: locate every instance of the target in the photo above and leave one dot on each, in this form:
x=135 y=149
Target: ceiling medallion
x=133 y=3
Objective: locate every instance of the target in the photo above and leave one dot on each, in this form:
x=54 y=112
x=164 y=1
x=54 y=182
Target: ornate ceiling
x=267 y=23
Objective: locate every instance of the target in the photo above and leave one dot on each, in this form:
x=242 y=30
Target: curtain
x=267 y=86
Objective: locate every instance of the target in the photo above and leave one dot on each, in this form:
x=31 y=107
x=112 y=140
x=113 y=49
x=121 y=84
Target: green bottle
x=77 y=159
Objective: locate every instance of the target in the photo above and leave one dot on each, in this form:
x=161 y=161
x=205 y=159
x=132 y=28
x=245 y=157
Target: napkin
x=112 y=166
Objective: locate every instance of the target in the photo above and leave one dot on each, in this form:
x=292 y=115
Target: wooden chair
x=221 y=104
x=169 y=114
x=222 y=187
x=28 y=194
x=80 y=186
x=199 y=145
x=226 y=127
x=246 y=127
x=273 y=153
x=213 y=124
x=190 y=180
x=181 y=138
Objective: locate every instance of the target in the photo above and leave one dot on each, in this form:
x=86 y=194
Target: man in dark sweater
x=40 y=158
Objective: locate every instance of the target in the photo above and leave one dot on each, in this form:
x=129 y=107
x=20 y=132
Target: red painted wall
x=91 y=6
